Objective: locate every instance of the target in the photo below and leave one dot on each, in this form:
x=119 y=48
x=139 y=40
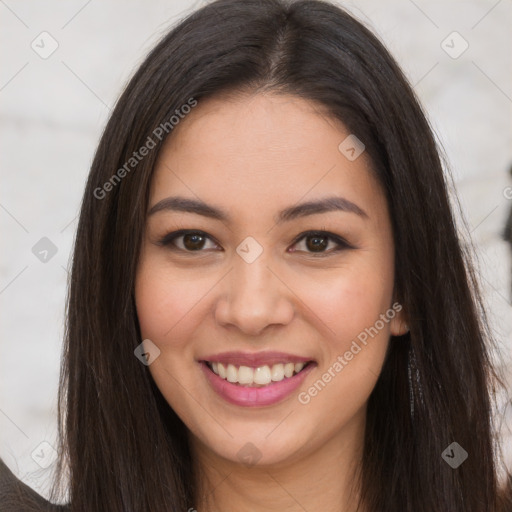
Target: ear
x=399 y=323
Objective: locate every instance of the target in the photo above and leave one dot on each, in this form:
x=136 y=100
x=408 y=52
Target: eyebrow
x=327 y=204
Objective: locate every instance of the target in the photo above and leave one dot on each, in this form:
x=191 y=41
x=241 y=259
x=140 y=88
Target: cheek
x=167 y=304
x=354 y=350
x=351 y=303
x=349 y=300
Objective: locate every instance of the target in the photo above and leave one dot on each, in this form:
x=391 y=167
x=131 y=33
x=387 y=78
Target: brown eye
x=193 y=241
x=316 y=243
x=186 y=241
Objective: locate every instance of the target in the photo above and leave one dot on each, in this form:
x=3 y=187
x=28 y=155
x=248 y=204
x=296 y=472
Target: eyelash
x=167 y=241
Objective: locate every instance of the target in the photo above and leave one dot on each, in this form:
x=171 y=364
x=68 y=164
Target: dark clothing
x=16 y=496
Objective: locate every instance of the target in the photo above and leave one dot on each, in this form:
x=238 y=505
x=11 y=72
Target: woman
x=269 y=305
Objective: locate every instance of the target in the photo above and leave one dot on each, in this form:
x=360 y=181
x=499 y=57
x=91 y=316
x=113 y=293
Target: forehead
x=262 y=150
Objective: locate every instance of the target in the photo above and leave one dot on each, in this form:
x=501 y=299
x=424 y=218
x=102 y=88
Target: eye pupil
x=197 y=241
x=319 y=242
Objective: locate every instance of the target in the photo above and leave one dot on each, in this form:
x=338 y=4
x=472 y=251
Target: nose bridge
x=254 y=296
x=249 y=279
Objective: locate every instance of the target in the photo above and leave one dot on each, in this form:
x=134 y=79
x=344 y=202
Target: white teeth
x=289 y=369
x=277 y=372
x=221 y=370
x=261 y=376
x=245 y=375
x=231 y=374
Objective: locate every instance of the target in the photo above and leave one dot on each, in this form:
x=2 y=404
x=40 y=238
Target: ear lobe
x=399 y=325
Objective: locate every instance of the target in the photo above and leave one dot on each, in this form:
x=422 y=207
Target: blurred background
x=64 y=65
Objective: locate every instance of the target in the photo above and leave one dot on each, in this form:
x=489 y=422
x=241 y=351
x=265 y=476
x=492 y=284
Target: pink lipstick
x=255 y=379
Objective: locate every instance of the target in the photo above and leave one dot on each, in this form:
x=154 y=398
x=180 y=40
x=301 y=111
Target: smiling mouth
x=260 y=376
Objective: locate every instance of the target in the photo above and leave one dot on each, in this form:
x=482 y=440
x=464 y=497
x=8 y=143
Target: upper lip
x=255 y=359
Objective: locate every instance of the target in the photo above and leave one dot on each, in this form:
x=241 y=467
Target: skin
x=254 y=155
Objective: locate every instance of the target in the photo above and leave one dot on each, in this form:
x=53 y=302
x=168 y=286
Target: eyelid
x=342 y=244
x=167 y=239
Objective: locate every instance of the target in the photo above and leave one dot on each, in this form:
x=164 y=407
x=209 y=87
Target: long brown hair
x=124 y=446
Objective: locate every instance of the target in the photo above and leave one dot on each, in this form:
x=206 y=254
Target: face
x=272 y=318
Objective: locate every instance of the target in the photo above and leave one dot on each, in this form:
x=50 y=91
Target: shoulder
x=16 y=496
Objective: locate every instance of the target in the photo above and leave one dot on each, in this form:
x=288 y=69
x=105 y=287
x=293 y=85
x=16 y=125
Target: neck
x=323 y=478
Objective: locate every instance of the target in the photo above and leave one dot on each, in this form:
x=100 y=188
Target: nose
x=253 y=297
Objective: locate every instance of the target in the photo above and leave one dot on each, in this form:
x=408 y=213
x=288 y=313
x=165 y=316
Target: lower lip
x=255 y=397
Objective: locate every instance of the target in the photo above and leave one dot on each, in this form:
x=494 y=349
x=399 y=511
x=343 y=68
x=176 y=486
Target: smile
x=256 y=377
x=255 y=380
